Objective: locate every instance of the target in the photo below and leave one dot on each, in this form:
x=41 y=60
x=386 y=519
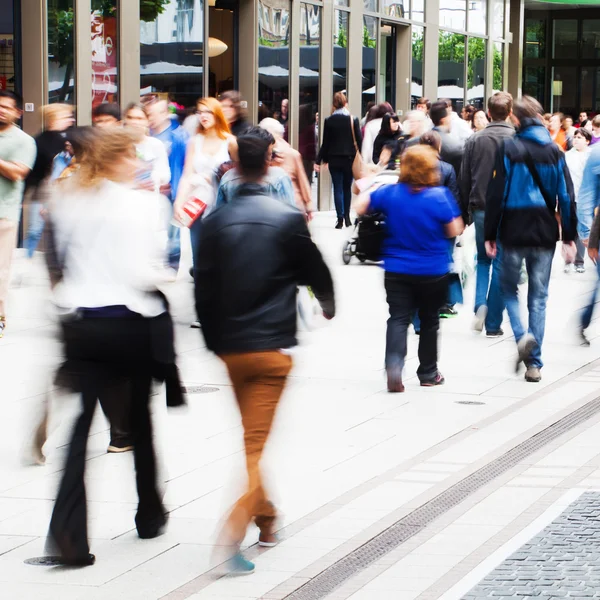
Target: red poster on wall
x=104 y=59
x=2 y=82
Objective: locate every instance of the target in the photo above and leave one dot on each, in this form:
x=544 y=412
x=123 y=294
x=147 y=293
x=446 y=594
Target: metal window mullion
x=294 y=70
x=128 y=48
x=430 y=58
x=83 y=61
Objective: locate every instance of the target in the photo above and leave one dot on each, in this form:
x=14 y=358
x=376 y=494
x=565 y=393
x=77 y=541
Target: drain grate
x=45 y=561
x=470 y=402
x=199 y=389
x=398 y=533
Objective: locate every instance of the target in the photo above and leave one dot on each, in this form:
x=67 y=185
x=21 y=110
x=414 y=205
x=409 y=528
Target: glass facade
x=341 y=28
x=369 y=62
x=61 y=51
x=451 y=68
x=105 y=52
x=418 y=47
x=476 y=72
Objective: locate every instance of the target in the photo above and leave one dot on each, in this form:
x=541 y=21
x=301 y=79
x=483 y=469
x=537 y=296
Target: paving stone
x=563 y=561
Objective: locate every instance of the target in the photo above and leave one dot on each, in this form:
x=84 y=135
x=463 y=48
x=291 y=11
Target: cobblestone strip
x=563 y=561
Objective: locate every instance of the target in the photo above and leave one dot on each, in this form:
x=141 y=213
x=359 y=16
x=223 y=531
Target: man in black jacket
x=530 y=182
x=253 y=253
x=475 y=176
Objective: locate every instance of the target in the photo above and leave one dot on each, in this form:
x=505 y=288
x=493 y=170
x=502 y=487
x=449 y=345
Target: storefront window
x=478 y=16
x=590 y=89
x=105 y=51
x=476 y=72
x=534 y=83
x=369 y=81
x=416 y=85
x=370 y=5
x=396 y=8
x=498 y=18
x=590 y=39
x=310 y=48
x=342 y=2
x=273 y=58
x=171 y=51
x=451 y=68
x=340 y=50
x=498 y=75
x=564 y=38
x=418 y=10
x=564 y=90
x=453 y=14
x=61 y=59
x=535 y=38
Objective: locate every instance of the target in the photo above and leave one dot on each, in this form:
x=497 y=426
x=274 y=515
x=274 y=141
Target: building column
x=430 y=60
x=403 y=67
x=83 y=62
x=33 y=64
x=129 y=51
x=248 y=56
x=293 y=82
x=489 y=55
x=515 y=52
x=355 y=58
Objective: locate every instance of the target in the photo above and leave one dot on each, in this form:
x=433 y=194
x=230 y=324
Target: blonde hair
x=51 y=112
x=273 y=126
x=100 y=150
x=216 y=109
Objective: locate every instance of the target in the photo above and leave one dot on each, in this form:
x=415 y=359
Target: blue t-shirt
x=416 y=242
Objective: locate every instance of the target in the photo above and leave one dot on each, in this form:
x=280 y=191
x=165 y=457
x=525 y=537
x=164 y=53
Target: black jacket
x=517 y=214
x=452 y=148
x=337 y=148
x=49 y=144
x=478 y=164
x=448 y=179
x=252 y=255
x=239 y=127
x=394 y=141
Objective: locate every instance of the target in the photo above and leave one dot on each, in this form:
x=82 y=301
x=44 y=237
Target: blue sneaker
x=238 y=565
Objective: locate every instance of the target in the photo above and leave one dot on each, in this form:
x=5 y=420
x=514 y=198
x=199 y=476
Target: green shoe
x=238 y=566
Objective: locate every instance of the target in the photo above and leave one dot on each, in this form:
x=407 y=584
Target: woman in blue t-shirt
x=420 y=217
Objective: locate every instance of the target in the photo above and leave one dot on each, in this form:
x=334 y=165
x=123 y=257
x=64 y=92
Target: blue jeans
x=35 y=228
x=195 y=239
x=341 y=177
x=487 y=292
x=174 y=246
x=538 y=262
x=586 y=317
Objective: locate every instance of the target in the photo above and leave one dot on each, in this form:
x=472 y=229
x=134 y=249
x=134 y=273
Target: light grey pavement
x=346 y=460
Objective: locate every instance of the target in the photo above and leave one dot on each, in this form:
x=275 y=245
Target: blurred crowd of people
x=112 y=200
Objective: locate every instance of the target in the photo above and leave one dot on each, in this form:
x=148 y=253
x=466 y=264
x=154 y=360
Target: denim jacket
x=589 y=193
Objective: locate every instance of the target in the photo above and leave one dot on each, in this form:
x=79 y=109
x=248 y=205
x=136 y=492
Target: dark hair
x=108 y=109
x=470 y=110
x=420 y=167
x=236 y=100
x=584 y=133
x=438 y=111
x=433 y=139
x=386 y=127
x=527 y=108
x=16 y=98
x=500 y=106
x=252 y=151
x=81 y=139
x=372 y=114
x=370 y=105
x=424 y=101
x=382 y=109
x=339 y=100
x=446 y=101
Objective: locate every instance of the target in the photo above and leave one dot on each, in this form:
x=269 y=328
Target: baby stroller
x=365 y=244
x=369 y=230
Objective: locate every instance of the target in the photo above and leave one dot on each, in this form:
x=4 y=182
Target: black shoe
x=583 y=338
x=83 y=561
x=493 y=334
x=347 y=221
x=339 y=224
x=437 y=380
x=118 y=446
x=152 y=528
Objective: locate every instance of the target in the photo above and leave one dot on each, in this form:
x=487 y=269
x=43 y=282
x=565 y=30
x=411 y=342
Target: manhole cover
x=45 y=561
x=199 y=389
x=472 y=402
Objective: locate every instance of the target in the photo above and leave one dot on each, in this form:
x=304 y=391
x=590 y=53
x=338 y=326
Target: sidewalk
x=346 y=459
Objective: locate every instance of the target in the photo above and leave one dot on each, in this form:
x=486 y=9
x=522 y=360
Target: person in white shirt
x=372 y=129
x=576 y=159
x=459 y=128
x=115 y=323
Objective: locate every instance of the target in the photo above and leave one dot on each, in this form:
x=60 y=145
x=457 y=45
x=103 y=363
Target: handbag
x=359 y=168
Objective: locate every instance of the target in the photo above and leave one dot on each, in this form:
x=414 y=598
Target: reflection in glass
x=590 y=89
x=310 y=42
x=418 y=10
x=61 y=49
x=370 y=5
x=564 y=38
x=342 y=2
x=498 y=75
x=340 y=50
x=416 y=85
x=534 y=83
x=453 y=14
x=535 y=38
x=369 y=82
x=564 y=90
x=478 y=16
x=476 y=72
x=498 y=18
x=104 y=52
x=451 y=68
x=171 y=50
x=396 y=8
x=387 y=62
x=273 y=58
x=590 y=38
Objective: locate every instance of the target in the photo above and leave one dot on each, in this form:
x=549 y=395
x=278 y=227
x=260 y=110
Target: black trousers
x=341 y=178
x=405 y=295
x=100 y=352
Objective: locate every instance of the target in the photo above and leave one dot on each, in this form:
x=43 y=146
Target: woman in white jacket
x=372 y=129
x=576 y=159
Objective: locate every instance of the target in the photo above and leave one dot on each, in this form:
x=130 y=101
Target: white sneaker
x=479 y=319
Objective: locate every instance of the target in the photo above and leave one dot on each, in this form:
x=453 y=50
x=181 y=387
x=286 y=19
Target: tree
x=368 y=41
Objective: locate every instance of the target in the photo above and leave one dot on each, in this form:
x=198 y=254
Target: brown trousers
x=258 y=380
x=8 y=241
